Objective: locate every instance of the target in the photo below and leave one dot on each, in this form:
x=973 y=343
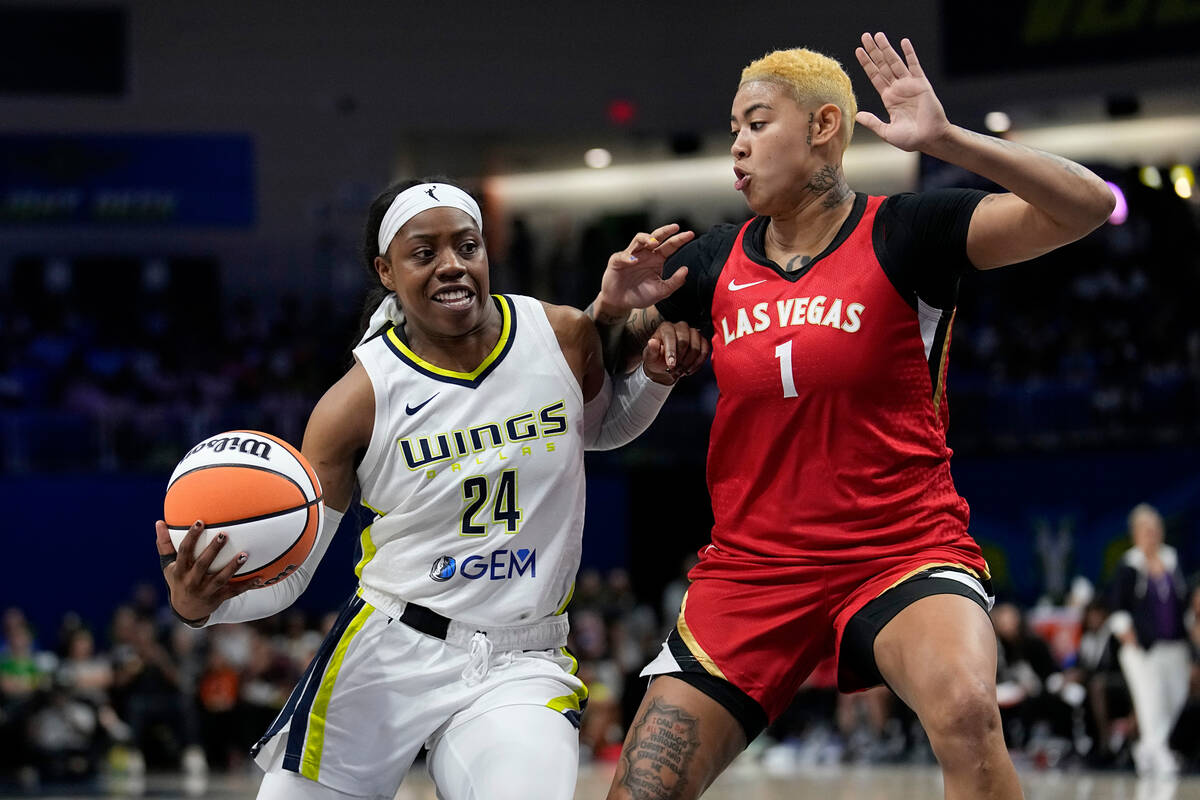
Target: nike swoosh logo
x=410 y=410
x=737 y=287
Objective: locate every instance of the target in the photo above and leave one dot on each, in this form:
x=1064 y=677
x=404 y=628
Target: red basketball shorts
x=764 y=629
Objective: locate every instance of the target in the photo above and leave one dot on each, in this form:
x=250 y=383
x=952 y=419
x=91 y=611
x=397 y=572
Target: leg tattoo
x=661 y=746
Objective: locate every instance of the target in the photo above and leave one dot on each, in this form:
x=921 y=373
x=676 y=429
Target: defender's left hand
x=675 y=350
x=916 y=116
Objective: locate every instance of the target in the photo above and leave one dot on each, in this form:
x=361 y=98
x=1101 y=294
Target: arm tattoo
x=661 y=746
x=623 y=337
x=828 y=181
x=612 y=332
x=1067 y=164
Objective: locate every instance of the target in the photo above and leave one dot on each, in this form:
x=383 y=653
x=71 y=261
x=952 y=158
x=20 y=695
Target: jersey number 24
x=505 y=509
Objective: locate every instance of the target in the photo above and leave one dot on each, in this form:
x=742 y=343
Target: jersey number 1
x=505 y=510
x=784 y=353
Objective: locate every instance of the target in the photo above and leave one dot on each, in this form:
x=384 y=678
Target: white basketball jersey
x=476 y=479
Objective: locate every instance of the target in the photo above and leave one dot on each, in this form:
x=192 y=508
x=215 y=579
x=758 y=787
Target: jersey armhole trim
x=374 y=454
x=545 y=331
x=907 y=293
x=720 y=260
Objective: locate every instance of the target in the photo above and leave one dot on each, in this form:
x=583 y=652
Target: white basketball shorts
x=377 y=690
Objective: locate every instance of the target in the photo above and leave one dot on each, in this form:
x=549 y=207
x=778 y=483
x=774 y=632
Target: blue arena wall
x=81 y=543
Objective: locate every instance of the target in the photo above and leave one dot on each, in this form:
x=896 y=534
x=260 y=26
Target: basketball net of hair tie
x=387 y=311
x=422 y=197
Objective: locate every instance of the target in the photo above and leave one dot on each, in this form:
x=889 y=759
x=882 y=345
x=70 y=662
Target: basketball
x=255 y=488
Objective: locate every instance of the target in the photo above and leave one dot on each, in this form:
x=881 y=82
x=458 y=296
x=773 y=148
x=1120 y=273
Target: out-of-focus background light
x=997 y=121
x=597 y=158
x=1120 y=211
x=1183 y=179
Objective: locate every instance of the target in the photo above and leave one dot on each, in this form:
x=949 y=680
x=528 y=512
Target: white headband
x=387 y=311
x=422 y=197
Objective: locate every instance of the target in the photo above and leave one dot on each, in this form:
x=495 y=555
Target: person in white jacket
x=1149 y=598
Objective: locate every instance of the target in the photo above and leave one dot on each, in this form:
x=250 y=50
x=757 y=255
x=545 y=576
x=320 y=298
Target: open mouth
x=455 y=299
x=742 y=180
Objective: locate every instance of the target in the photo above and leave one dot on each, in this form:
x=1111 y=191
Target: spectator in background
x=1025 y=676
x=23 y=672
x=158 y=699
x=1149 y=597
x=217 y=695
x=87 y=676
x=1095 y=668
x=1186 y=739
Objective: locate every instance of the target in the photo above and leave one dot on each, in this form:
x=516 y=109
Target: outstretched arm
x=624 y=310
x=1051 y=201
x=618 y=410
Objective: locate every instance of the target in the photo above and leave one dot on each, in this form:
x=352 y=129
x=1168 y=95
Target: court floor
x=741 y=783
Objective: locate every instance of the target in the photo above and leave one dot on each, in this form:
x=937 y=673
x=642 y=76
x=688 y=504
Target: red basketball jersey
x=829 y=440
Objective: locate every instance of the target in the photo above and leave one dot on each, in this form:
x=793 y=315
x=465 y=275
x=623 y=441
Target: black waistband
x=426 y=621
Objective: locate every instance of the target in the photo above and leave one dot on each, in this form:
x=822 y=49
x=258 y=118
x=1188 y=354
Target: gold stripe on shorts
x=368 y=551
x=702 y=657
x=314 y=743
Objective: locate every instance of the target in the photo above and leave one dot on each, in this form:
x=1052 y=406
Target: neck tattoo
x=828 y=184
x=798 y=262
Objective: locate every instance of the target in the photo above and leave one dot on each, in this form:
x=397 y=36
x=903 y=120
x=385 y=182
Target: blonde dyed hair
x=812 y=78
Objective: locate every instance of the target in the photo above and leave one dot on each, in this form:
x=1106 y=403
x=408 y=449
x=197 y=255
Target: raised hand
x=916 y=116
x=633 y=278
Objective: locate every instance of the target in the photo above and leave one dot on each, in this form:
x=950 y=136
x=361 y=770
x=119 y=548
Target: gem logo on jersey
x=442 y=569
x=499 y=565
x=502 y=565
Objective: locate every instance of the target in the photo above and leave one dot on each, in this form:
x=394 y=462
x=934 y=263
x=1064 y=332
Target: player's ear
x=826 y=124
x=383 y=268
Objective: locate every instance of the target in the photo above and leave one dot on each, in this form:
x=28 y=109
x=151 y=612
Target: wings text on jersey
x=423 y=451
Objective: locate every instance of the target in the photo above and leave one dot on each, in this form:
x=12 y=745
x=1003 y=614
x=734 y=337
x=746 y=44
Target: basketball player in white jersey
x=463 y=420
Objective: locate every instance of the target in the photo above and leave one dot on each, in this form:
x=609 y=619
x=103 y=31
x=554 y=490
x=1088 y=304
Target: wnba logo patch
x=442 y=569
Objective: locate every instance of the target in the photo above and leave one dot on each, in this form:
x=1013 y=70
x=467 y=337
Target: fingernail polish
x=220 y=537
x=242 y=558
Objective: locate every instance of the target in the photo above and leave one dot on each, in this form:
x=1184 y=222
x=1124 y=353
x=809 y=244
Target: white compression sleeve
x=259 y=603
x=622 y=410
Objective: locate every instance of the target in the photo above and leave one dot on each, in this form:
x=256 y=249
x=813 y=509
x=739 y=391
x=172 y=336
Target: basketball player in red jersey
x=838 y=529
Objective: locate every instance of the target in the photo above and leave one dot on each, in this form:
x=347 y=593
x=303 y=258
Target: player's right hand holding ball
x=194 y=591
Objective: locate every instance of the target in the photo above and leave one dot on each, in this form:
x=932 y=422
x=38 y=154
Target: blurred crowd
x=1094 y=344
x=149 y=693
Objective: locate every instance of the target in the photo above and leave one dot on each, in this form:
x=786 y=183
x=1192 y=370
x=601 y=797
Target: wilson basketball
x=255 y=488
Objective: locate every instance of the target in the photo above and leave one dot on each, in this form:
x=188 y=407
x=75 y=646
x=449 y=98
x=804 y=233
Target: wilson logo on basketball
x=241 y=444
x=255 y=488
